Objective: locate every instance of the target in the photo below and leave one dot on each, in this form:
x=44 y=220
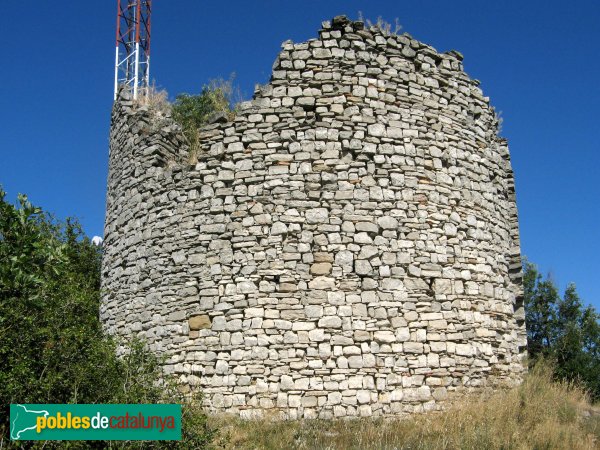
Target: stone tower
x=347 y=246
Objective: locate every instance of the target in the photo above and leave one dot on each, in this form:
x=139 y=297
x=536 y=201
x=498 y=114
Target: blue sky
x=537 y=60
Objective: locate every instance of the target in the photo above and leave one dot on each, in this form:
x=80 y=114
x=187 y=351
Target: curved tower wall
x=347 y=245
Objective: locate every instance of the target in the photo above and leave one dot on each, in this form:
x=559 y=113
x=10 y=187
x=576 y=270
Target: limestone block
x=317 y=335
x=317 y=215
x=442 y=286
x=384 y=336
x=322 y=282
x=362 y=267
x=344 y=258
x=464 y=349
x=388 y=223
x=413 y=347
x=362 y=238
x=355 y=362
x=330 y=322
x=278 y=228
x=254 y=312
x=246 y=287
x=321 y=268
x=376 y=129
x=313 y=311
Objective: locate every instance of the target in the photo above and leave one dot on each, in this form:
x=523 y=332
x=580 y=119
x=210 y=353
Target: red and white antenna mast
x=132 y=53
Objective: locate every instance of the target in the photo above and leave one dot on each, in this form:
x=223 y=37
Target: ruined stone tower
x=347 y=245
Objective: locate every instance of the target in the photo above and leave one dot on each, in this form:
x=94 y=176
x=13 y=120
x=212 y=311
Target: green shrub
x=52 y=346
x=195 y=111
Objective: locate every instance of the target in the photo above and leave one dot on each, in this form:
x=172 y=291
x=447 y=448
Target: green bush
x=52 y=346
x=195 y=111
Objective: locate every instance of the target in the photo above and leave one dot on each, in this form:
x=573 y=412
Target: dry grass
x=193 y=136
x=154 y=99
x=381 y=24
x=540 y=414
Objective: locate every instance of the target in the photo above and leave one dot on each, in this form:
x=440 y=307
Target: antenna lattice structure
x=132 y=53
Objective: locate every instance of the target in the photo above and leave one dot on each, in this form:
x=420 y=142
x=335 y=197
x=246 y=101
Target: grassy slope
x=540 y=414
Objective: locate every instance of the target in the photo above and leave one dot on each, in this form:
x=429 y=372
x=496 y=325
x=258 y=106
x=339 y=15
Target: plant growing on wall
x=218 y=97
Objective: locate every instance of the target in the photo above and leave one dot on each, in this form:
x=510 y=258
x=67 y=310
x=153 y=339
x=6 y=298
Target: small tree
x=541 y=298
x=562 y=329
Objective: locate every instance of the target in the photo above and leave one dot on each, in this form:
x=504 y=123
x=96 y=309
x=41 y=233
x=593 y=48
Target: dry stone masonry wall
x=347 y=246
